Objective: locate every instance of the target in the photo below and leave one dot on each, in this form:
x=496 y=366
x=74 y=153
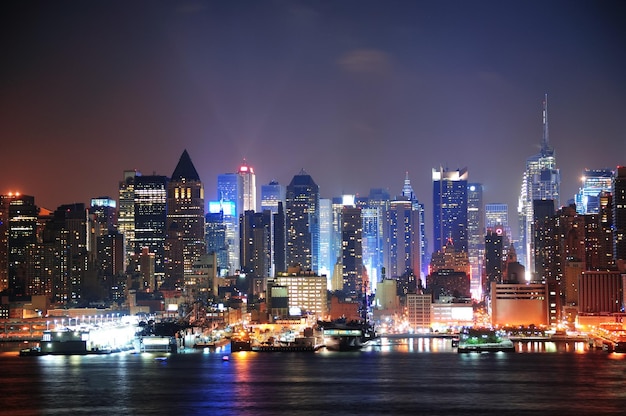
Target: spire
x=545 y=140
x=185 y=169
x=407 y=190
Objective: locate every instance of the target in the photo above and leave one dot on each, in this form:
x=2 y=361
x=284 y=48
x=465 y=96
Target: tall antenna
x=545 y=140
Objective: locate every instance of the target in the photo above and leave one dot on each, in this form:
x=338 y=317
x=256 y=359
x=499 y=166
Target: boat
x=483 y=340
x=346 y=336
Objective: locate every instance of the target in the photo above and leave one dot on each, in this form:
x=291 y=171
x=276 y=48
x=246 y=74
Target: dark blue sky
x=355 y=92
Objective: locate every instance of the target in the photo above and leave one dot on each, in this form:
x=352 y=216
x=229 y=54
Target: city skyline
x=355 y=93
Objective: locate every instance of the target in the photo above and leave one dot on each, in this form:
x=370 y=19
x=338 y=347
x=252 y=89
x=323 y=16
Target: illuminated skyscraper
x=475 y=235
x=407 y=192
x=248 y=181
x=402 y=239
x=185 y=221
x=126 y=212
x=271 y=195
x=497 y=214
x=541 y=181
x=326 y=258
x=450 y=208
x=230 y=196
x=18 y=236
x=619 y=214
x=594 y=182
x=151 y=219
x=302 y=222
x=352 y=251
x=373 y=214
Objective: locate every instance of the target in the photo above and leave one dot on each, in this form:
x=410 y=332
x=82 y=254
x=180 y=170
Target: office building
x=151 y=219
x=541 y=181
x=355 y=282
x=126 y=213
x=450 y=208
x=230 y=196
x=594 y=182
x=302 y=222
x=619 y=214
x=248 y=183
x=184 y=240
x=475 y=236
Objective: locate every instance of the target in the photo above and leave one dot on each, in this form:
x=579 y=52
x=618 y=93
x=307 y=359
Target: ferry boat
x=483 y=340
x=346 y=336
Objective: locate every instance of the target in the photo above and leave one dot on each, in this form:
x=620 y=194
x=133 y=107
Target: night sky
x=355 y=92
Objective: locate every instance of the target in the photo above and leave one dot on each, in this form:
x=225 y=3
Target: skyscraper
x=302 y=222
x=126 y=212
x=475 y=235
x=450 y=208
x=619 y=214
x=594 y=182
x=497 y=214
x=18 y=236
x=402 y=239
x=407 y=192
x=541 y=181
x=271 y=195
x=248 y=180
x=230 y=192
x=185 y=221
x=151 y=219
x=352 y=251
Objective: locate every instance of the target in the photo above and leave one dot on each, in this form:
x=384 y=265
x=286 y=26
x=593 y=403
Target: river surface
x=401 y=377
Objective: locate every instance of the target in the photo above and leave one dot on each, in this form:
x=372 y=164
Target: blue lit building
x=450 y=208
x=594 y=182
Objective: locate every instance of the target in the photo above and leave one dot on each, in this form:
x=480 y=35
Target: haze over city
x=355 y=92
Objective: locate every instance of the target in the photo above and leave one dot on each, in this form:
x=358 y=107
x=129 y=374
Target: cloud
x=365 y=61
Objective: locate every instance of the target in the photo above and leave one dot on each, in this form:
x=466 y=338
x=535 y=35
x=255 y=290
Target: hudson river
x=407 y=376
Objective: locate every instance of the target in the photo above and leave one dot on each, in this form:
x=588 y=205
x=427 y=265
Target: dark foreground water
x=417 y=377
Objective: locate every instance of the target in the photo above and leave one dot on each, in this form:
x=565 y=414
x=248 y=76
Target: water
x=414 y=376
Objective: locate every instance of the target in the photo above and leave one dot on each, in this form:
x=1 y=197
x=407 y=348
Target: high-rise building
x=352 y=252
x=497 y=214
x=475 y=235
x=407 y=192
x=541 y=181
x=619 y=214
x=215 y=237
x=401 y=235
x=302 y=222
x=373 y=214
x=184 y=240
x=18 y=239
x=594 y=182
x=230 y=190
x=126 y=213
x=65 y=236
x=248 y=181
x=271 y=195
x=256 y=244
x=327 y=257
x=151 y=220
x=493 y=258
x=450 y=208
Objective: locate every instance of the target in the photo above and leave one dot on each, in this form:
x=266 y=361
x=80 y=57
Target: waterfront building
x=619 y=214
x=475 y=236
x=601 y=292
x=302 y=222
x=445 y=315
x=519 y=304
x=418 y=307
x=126 y=213
x=306 y=291
x=541 y=181
x=151 y=218
x=184 y=240
x=594 y=182
x=450 y=208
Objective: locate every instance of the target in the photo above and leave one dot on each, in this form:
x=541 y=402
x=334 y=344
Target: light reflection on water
x=400 y=376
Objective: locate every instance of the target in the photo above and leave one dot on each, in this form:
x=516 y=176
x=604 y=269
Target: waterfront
x=403 y=376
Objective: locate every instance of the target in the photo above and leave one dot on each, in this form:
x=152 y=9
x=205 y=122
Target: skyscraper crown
x=185 y=169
